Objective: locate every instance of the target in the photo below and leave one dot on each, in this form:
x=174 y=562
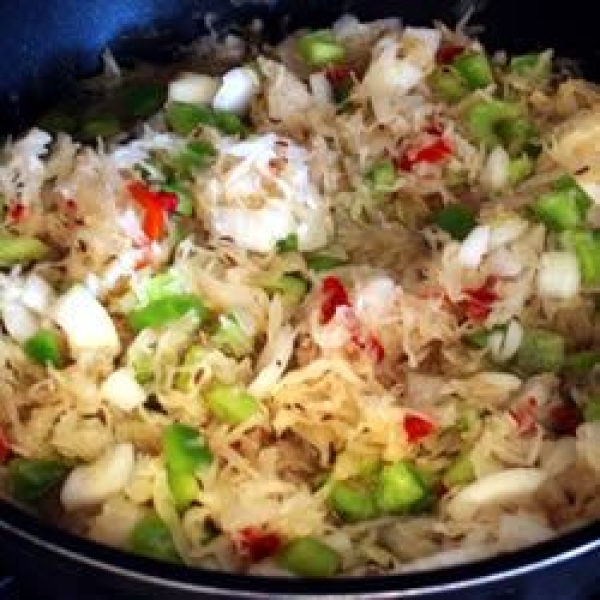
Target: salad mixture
x=315 y=309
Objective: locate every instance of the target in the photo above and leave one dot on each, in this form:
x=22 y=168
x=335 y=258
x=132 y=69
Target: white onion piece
x=122 y=390
x=85 y=321
x=37 y=293
x=474 y=247
x=506 y=230
x=494 y=175
x=558 y=275
x=193 y=88
x=503 y=345
x=237 y=90
x=19 y=321
x=497 y=488
x=92 y=484
x=320 y=88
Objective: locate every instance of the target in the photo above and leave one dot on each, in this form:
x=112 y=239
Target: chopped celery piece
x=142 y=99
x=99 y=125
x=581 y=363
x=591 y=410
x=456 y=220
x=565 y=207
x=533 y=65
x=541 y=351
x=44 y=347
x=382 y=176
x=288 y=244
x=15 y=249
x=292 y=287
x=459 y=472
x=231 y=337
x=400 y=488
x=231 y=403
x=475 y=70
x=520 y=168
x=448 y=85
x=152 y=538
x=320 y=48
x=320 y=263
x=183 y=486
x=586 y=245
x=31 y=479
x=309 y=557
x=165 y=310
x=353 y=501
x=485 y=117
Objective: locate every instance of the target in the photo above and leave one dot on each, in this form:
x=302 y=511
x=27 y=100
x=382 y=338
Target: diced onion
x=558 y=275
x=503 y=345
x=506 y=229
x=495 y=172
x=37 y=294
x=92 y=484
x=237 y=90
x=497 y=488
x=193 y=88
x=122 y=390
x=19 y=321
x=85 y=321
x=474 y=247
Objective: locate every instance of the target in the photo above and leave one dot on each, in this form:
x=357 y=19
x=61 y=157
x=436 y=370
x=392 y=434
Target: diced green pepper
x=485 y=116
x=183 y=486
x=152 y=538
x=229 y=123
x=31 y=479
x=142 y=99
x=478 y=339
x=591 y=410
x=382 y=176
x=287 y=244
x=565 y=207
x=448 y=85
x=15 y=249
x=586 y=245
x=541 y=351
x=183 y=118
x=309 y=557
x=99 y=125
x=456 y=219
x=320 y=48
x=44 y=347
x=231 y=404
x=292 y=287
x=231 y=337
x=459 y=472
x=518 y=135
x=320 y=263
x=185 y=200
x=165 y=310
x=520 y=168
x=475 y=70
x=533 y=65
x=353 y=501
x=185 y=448
x=400 y=488
x=196 y=155
x=581 y=363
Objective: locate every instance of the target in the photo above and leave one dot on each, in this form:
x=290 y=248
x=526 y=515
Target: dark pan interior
x=45 y=45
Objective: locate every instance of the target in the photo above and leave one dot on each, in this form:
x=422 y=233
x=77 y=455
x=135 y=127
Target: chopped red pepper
x=417 y=428
x=525 y=416
x=5 y=447
x=154 y=223
x=565 y=418
x=17 y=212
x=433 y=153
x=478 y=304
x=341 y=79
x=256 y=544
x=334 y=296
x=448 y=53
x=375 y=348
x=146 y=197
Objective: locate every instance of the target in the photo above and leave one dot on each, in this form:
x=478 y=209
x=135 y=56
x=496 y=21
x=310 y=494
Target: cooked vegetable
x=20 y=249
x=45 y=348
x=448 y=85
x=400 y=488
x=231 y=404
x=586 y=245
x=122 y=389
x=456 y=220
x=558 y=275
x=382 y=176
x=167 y=309
x=460 y=472
x=184 y=118
x=292 y=287
x=288 y=244
x=31 y=479
x=591 y=410
x=563 y=208
x=323 y=262
x=486 y=118
x=541 y=351
x=309 y=557
x=151 y=537
x=142 y=99
x=99 y=126
x=475 y=70
x=320 y=48
x=581 y=363
x=231 y=337
x=353 y=501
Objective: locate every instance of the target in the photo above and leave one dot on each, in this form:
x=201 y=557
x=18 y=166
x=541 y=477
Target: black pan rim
x=44 y=537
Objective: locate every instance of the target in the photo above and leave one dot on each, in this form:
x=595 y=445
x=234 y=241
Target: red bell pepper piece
x=256 y=544
x=525 y=416
x=448 y=53
x=417 y=428
x=334 y=296
x=155 y=205
x=478 y=304
x=433 y=153
x=375 y=348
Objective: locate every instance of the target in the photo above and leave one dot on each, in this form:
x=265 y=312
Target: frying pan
x=44 y=46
